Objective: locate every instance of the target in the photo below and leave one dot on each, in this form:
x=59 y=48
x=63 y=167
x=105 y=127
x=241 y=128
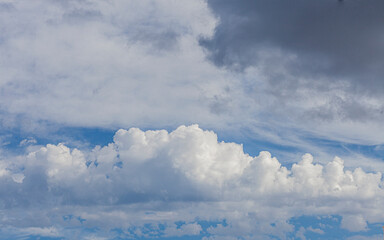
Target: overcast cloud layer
x=153 y=180
x=147 y=64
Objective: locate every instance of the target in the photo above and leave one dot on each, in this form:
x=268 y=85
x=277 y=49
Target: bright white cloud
x=108 y=64
x=131 y=180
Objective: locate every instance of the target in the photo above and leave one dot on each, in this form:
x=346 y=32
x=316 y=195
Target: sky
x=191 y=119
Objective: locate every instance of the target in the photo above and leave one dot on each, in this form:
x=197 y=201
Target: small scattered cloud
x=354 y=223
x=27 y=141
x=315 y=230
x=18 y=177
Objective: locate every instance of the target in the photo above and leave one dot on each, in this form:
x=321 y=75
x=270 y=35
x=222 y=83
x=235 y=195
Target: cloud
x=118 y=64
x=27 y=141
x=317 y=60
x=376 y=237
x=18 y=177
x=45 y=232
x=184 y=230
x=163 y=178
x=64 y=62
x=354 y=223
x=315 y=230
x=325 y=37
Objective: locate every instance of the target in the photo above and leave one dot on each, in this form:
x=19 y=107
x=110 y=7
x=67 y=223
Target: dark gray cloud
x=328 y=38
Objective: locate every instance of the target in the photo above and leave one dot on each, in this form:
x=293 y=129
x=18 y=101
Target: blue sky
x=195 y=119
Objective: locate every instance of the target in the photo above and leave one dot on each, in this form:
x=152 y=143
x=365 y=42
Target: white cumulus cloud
x=159 y=177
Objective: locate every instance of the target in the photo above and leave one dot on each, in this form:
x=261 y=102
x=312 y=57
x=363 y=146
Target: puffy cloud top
x=141 y=169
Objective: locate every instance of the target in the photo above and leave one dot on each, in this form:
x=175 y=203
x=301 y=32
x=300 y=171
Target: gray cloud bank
x=331 y=38
x=306 y=49
x=160 y=177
